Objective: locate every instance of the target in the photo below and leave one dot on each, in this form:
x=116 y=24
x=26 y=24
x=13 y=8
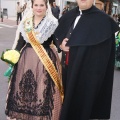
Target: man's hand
x=63 y=45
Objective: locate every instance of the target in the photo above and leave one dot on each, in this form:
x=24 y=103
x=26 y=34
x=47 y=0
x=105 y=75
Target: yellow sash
x=47 y=62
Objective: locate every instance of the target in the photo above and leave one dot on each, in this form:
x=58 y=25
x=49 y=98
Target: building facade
x=10 y=5
x=109 y=6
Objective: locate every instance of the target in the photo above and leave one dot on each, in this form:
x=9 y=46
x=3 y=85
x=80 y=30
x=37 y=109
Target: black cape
x=89 y=80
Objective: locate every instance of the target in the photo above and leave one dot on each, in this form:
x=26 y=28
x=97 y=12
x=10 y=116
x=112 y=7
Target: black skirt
x=32 y=94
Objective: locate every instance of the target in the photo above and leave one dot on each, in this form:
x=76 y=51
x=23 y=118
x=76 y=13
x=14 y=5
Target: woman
x=34 y=92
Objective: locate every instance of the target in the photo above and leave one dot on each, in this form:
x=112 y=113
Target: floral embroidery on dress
x=26 y=100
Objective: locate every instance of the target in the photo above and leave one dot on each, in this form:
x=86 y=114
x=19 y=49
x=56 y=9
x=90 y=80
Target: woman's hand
x=63 y=45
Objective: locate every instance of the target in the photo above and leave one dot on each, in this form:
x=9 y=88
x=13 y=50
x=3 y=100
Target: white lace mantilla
x=45 y=29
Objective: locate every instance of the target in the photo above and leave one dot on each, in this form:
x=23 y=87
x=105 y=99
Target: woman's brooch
x=28 y=25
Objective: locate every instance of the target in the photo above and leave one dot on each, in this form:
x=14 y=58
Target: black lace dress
x=32 y=94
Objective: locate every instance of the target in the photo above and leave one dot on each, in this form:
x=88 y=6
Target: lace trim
x=20 y=116
x=29 y=13
x=44 y=30
x=26 y=101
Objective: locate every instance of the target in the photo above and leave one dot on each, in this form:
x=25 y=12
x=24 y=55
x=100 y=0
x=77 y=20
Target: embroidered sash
x=45 y=59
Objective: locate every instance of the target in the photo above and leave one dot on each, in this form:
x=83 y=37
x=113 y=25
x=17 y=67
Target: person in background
x=117 y=55
x=55 y=10
x=24 y=7
x=66 y=9
x=119 y=18
x=115 y=17
x=99 y=5
x=19 y=12
x=35 y=91
x=87 y=36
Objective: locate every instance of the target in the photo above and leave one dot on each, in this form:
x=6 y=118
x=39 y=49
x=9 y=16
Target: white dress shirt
x=77 y=18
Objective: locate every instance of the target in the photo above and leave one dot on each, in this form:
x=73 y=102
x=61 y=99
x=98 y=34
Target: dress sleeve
x=56 y=43
x=21 y=43
x=49 y=41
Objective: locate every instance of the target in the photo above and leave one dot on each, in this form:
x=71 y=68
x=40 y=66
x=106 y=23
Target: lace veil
x=46 y=28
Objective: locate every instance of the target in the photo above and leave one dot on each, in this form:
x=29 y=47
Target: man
x=19 y=12
x=55 y=10
x=86 y=34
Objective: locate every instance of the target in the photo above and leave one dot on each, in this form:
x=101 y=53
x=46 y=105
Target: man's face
x=54 y=4
x=85 y=4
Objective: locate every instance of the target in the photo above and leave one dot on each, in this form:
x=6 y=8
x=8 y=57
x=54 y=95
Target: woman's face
x=85 y=4
x=39 y=7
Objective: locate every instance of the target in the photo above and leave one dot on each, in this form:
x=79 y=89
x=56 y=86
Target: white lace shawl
x=45 y=29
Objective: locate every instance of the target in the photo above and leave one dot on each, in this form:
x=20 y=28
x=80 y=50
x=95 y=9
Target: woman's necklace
x=29 y=24
x=36 y=26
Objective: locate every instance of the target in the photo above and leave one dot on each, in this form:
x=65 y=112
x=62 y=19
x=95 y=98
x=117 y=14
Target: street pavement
x=7 y=34
x=11 y=22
